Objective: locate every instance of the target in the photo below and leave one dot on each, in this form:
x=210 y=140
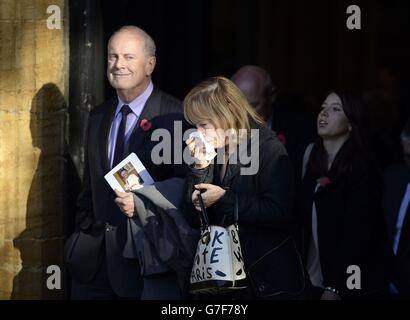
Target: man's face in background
x=253 y=85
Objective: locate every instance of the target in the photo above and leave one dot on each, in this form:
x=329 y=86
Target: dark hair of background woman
x=354 y=149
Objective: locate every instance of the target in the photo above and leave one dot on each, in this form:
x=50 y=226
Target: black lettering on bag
x=234 y=239
x=217 y=235
x=204 y=254
x=238 y=254
x=198 y=275
x=208 y=271
x=214 y=255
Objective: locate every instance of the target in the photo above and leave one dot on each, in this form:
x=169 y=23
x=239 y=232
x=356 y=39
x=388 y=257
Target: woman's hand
x=212 y=194
x=125 y=201
x=197 y=153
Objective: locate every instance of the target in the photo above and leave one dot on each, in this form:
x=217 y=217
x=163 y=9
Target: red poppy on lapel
x=145 y=124
x=282 y=138
x=323 y=181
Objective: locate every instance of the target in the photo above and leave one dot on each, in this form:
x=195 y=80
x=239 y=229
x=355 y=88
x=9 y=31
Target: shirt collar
x=138 y=103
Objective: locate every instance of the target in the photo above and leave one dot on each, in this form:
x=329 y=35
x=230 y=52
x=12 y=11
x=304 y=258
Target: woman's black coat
x=265 y=206
x=351 y=229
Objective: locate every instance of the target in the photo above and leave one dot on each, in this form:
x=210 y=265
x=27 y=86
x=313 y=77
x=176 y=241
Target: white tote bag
x=218 y=265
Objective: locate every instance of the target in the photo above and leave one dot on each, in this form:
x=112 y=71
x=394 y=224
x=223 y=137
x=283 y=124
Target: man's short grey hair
x=149 y=44
x=267 y=86
x=405 y=134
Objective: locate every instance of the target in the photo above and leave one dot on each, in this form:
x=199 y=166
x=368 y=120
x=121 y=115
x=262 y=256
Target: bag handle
x=236 y=210
x=204 y=215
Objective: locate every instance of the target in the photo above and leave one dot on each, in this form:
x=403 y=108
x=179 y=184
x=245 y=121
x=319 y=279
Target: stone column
x=33 y=121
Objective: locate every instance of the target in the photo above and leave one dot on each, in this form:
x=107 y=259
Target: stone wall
x=33 y=123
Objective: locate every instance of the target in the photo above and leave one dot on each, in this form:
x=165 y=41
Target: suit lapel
x=151 y=110
x=105 y=133
x=394 y=193
x=399 y=189
x=404 y=242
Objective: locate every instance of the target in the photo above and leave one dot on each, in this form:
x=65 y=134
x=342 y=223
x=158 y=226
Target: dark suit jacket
x=351 y=229
x=265 y=202
x=396 y=179
x=298 y=129
x=96 y=205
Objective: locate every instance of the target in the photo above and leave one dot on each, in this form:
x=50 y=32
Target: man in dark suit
x=397 y=212
x=102 y=269
x=294 y=129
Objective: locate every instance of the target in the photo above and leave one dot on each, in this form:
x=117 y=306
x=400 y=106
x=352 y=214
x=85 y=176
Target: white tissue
x=209 y=149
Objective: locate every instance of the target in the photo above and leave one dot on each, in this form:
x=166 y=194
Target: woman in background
x=346 y=251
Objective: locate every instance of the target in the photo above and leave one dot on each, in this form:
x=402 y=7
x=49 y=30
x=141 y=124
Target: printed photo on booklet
x=130 y=174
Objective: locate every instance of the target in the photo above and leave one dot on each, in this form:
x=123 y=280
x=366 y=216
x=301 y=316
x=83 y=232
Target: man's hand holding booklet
x=130 y=174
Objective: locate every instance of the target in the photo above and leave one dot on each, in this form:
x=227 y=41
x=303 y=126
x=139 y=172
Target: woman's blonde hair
x=221 y=102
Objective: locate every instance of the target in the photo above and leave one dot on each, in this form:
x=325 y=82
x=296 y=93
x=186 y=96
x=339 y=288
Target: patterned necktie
x=119 y=144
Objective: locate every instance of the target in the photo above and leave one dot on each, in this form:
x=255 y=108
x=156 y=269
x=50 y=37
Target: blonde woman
x=221 y=113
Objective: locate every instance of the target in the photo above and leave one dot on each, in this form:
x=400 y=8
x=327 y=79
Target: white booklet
x=130 y=174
